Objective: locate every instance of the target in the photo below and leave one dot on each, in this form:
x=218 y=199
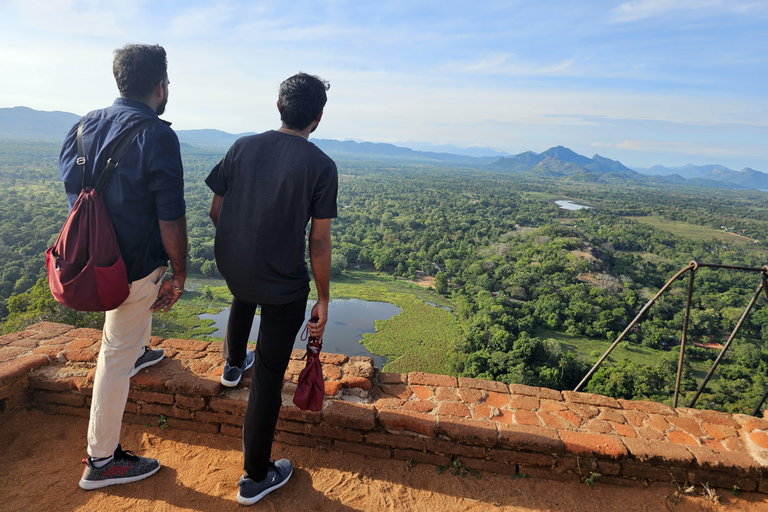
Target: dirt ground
x=40 y=465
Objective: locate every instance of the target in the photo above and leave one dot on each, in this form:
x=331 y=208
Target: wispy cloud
x=683 y=148
x=642 y=9
x=508 y=64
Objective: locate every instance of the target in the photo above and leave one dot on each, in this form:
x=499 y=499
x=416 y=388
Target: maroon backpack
x=86 y=271
x=310 y=389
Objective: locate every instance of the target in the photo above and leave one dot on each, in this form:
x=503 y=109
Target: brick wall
x=430 y=419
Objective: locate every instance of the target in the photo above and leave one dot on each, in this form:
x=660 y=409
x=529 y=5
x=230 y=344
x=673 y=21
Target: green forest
x=537 y=292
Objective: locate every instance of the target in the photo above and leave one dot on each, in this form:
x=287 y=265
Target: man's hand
x=170 y=291
x=319 y=311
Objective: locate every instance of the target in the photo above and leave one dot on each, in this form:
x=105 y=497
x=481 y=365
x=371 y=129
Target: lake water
x=568 y=205
x=348 y=320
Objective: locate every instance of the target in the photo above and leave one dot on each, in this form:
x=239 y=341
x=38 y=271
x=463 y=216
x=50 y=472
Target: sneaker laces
x=128 y=455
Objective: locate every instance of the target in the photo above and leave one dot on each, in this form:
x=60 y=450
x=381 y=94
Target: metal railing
x=693 y=267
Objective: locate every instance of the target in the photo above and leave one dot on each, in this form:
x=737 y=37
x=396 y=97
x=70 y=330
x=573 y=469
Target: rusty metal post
x=685 y=333
x=730 y=339
x=760 y=403
x=632 y=324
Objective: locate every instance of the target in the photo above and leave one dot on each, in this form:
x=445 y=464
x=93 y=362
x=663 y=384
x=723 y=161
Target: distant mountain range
x=557 y=162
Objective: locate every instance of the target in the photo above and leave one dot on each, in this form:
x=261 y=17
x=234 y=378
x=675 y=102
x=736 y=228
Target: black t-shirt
x=272 y=184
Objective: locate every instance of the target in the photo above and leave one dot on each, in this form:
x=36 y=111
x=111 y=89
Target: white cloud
x=642 y=9
x=683 y=148
x=508 y=64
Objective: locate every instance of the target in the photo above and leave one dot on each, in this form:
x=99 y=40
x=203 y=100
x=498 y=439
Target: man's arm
x=215 y=209
x=174 y=235
x=320 y=260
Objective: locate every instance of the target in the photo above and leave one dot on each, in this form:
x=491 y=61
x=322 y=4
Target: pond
x=348 y=319
x=568 y=205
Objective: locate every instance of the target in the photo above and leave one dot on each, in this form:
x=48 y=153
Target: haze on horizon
x=644 y=82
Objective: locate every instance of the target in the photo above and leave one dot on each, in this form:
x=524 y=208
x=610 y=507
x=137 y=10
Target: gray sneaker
x=231 y=375
x=278 y=474
x=148 y=358
x=125 y=467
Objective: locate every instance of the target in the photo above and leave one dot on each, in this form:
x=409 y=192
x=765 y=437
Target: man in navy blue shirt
x=145 y=200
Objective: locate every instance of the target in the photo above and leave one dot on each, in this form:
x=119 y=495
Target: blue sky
x=645 y=82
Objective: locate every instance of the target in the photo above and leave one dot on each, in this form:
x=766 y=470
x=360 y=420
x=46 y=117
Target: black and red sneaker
x=125 y=467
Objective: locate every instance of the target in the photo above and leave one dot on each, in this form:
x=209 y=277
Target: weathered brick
x=8 y=353
x=344 y=414
x=498 y=400
x=50 y=351
x=453 y=449
x=187 y=384
x=81 y=343
x=14 y=336
x=190 y=402
x=419 y=406
x=718 y=431
x=194 y=426
x=447 y=395
x=680 y=437
x=25 y=344
x=715 y=417
x=487 y=385
x=751 y=423
x=554 y=421
x=291 y=426
x=658 y=453
x=486 y=412
x=490 y=466
x=151 y=396
x=421 y=457
x=345 y=434
x=635 y=418
x=19 y=368
x=230 y=430
x=298 y=440
x=551 y=406
x=424 y=424
x=543 y=393
x=733 y=462
x=593 y=445
x=50 y=328
x=69 y=410
x=389 y=403
x=186 y=345
x=363 y=449
x=199 y=366
x=657 y=422
x=590 y=399
x=85 y=332
x=527 y=418
x=546 y=474
x=612 y=415
x=648 y=407
x=293 y=413
x=686 y=424
x=73 y=399
x=422 y=392
x=218 y=417
x=650 y=434
x=661 y=473
x=411 y=442
x=349 y=381
x=481 y=432
x=401 y=391
x=722 y=480
x=586 y=411
x=759 y=437
x=332 y=387
x=328 y=358
x=571 y=417
x=453 y=409
x=140 y=419
x=734 y=444
x=517 y=457
x=624 y=430
x=86 y=355
x=598 y=426
x=331 y=372
x=392 y=378
x=167 y=410
x=471 y=396
x=13 y=389
x=429 y=379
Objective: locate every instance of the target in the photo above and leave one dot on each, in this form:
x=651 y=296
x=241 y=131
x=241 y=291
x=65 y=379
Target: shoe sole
x=250 y=501
x=90 y=485
x=233 y=383
x=148 y=363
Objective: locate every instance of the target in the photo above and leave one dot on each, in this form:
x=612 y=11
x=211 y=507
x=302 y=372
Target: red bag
x=310 y=390
x=86 y=271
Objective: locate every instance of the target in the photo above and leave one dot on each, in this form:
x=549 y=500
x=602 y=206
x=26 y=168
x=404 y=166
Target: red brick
x=81 y=343
x=14 y=336
x=598 y=426
x=150 y=396
x=722 y=480
x=231 y=430
x=50 y=351
x=332 y=388
x=650 y=434
x=80 y=355
x=298 y=440
x=734 y=444
x=389 y=403
x=760 y=438
x=482 y=432
x=52 y=378
x=429 y=379
x=490 y=466
x=399 y=390
x=593 y=445
x=586 y=411
x=752 y=423
x=200 y=366
x=139 y=419
x=188 y=384
x=345 y=434
x=85 y=332
x=716 y=417
x=50 y=328
x=190 y=402
x=422 y=392
x=624 y=430
x=396 y=440
x=295 y=414
x=328 y=358
x=167 y=410
x=688 y=425
x=657 y=422
x=551 y=420
x=590 y=399
x=75 y=400
x=344 y=414
x=365 y=450
x=635 y=418
x=543 y=393
x=571 y=417
x=82 y=412
x=194 y=426
x=83 y=386
x=19 y=368
x=447 y=395
x=422 y=458
x=680 y=437
x=661 y=453
x=612 y=415
x=527 y=418
x=356 y=382
x=471 y=396
x=662 y=473
x=14 y=389
x=419 y=406
x=718 y=431
x=332 y=372
x=453 y=409
x=487 y=385
x=485 y=412
x=498 y=400
x=392 y=378
x=712 y=444
x=217 y=417
x=552 y=406
x=648 y=407
x=26 y=344
x=454 y=449
x=516 y=457
x=186 y=345
x=424 y=424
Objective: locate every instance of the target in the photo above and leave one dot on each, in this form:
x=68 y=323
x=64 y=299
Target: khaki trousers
x=126 y=332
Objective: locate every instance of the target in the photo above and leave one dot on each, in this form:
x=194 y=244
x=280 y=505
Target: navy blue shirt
x=149 y=178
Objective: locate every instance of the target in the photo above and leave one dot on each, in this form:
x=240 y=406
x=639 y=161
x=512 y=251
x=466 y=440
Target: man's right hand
x=170 y=292
x=320 y=312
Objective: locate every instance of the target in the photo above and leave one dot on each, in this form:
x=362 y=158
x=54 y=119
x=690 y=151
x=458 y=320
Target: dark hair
x=302 y=98
x=138 y=68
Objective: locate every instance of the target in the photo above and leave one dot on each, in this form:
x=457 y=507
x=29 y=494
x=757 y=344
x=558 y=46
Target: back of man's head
x=302 y=98
x=138 y=68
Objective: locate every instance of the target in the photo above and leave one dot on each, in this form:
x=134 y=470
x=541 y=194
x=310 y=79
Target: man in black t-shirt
x=266 y=189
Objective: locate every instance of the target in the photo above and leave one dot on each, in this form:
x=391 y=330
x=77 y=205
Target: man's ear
x=319 y=117
x=278 y=106
x=158 y=92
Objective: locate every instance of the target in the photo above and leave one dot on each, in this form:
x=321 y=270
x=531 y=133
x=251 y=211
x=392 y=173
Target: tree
x=441 y=283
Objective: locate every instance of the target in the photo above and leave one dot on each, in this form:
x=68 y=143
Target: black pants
x=279 y=325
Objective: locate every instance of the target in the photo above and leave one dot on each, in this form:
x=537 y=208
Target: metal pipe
x=632 y=324
x=732 y=267
x=728 y=343
x=760 y=404
x=685 y=334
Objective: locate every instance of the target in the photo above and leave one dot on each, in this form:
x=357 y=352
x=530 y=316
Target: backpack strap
x=109 y=168
x=81 y=153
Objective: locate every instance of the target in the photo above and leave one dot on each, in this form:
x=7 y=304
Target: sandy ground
x=40 y=465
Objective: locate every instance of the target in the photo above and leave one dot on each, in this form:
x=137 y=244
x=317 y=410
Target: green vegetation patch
x=697 y=233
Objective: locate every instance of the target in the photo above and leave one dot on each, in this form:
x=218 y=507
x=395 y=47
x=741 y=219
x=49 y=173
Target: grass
x=587 y=346
x=420 y=338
